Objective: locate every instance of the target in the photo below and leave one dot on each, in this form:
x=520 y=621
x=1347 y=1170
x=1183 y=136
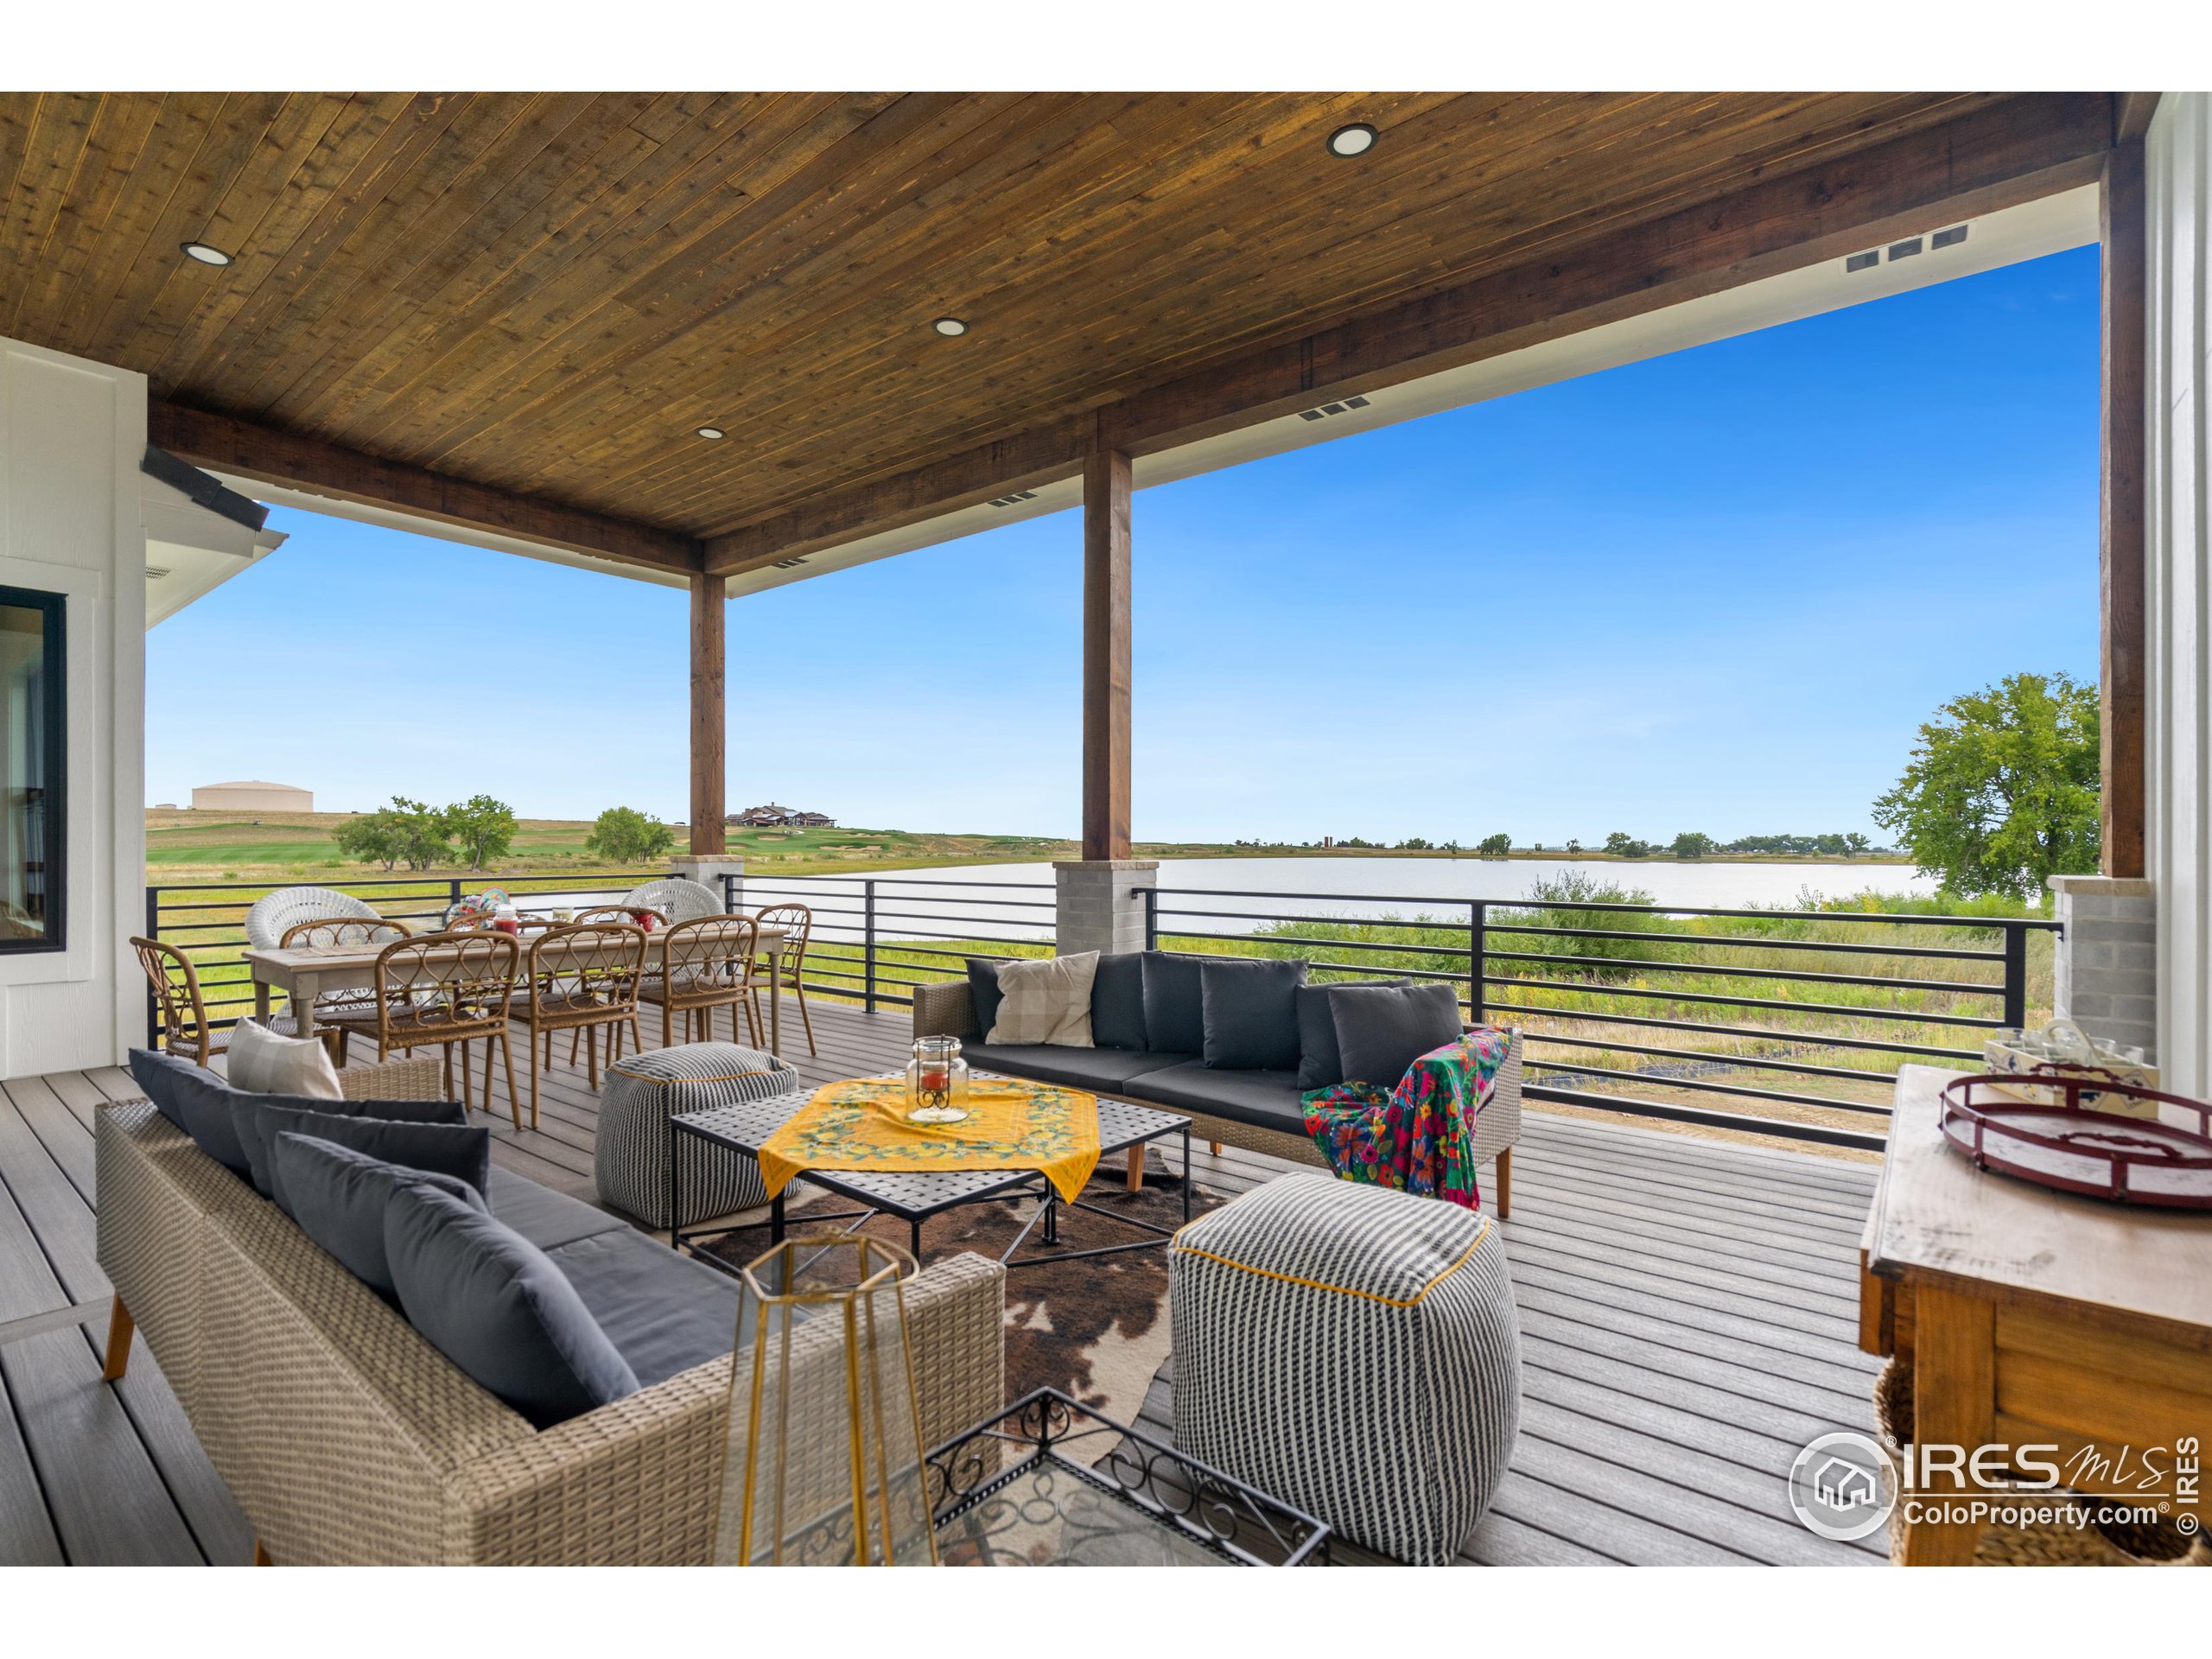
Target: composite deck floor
x=1688 y=1320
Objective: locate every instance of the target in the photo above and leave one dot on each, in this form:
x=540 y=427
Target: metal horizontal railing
x=1753 y=998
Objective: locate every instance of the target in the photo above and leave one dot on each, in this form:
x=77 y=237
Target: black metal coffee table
x=913 y=1198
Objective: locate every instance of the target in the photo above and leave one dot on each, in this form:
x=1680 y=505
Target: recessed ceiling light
x=711 y=432
x=1354 y=139
x=204 y=254
x=951 y=328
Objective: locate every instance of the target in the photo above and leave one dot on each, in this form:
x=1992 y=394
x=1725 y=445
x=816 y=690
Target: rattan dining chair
x=788 y=971
x=443 y=991
x=581 y=979
x=705 y=964
x=332 y=1008
x=182 y=1028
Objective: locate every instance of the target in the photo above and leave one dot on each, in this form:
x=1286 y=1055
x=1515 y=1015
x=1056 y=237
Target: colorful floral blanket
x=1418 y=1137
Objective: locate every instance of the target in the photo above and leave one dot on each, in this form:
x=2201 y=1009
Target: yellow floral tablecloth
x=862 y=1125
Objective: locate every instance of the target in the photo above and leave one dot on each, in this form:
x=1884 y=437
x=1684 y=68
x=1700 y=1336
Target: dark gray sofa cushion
x=1110 y=1069
x=664 y=1313
x=1249 y=1013
x=1382 y=1029
x=983 y=992
x=1268 y=1100
x=1117 y=1001
x=254 y=1139
x=1174 y=1006
x=198 y=1103
x=445 y=1148
x=158 y=1073
x=497 y=1308
x=548 y=1219
x=338 y=1196
x=1320 y=1064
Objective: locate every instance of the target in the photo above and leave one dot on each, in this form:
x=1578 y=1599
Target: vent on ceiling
x=790 y=564
x=156 y=572
x=1947 y=238
x=1011 y=501
x=1327 y=409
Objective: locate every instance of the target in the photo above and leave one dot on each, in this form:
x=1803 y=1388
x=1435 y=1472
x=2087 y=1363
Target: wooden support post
x=709 y=606
x=2122 y=563
x=1955 y=1404
x=1106 y=655
x=1505 y=1184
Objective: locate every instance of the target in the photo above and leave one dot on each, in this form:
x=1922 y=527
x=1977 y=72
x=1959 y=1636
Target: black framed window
x=34 y=744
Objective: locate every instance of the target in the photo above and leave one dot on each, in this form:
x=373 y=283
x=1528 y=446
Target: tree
x=372 y=837
x=1693 y=843
x=1494 y=846
x=485 y=828
x=424 y=841
x=623 y=834
x=1621 y=844
x=2001 y=790
x=1854 y=843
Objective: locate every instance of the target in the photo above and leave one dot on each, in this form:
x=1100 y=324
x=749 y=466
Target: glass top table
x=745 y=1126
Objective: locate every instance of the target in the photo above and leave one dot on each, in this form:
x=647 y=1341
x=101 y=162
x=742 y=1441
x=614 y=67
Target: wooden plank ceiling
x=515 y=308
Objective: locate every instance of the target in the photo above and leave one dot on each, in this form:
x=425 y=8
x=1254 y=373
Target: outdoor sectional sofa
x=345 y=1437
x=1260 y=1110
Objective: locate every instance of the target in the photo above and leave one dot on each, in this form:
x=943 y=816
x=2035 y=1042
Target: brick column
x=1100 y=904
x=2107 y=958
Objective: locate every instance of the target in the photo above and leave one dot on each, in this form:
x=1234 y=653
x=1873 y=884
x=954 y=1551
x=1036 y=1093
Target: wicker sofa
x=347 y=1438
x=1258 y=1111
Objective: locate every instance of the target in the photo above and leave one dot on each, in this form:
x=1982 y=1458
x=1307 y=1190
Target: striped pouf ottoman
x=642 y=1092
x=1353 y=1351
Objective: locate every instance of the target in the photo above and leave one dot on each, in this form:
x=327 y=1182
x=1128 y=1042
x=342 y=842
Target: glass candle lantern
x=937 y=1082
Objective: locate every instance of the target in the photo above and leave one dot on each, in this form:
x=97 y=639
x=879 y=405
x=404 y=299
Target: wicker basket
x=2041 y=1544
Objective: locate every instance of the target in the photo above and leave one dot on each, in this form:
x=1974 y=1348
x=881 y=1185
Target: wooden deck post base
x=120 y=1326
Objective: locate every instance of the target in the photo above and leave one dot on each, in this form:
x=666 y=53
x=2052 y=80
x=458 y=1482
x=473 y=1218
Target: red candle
x=936 y=1079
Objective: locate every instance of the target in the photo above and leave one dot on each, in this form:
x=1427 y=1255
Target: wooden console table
x=2035 y=1317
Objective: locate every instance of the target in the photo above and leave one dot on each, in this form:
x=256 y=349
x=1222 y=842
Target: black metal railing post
x=867 y=945
x=1151 y=917
x=2016 y=974
x=1477 y=920
x=153 y=1004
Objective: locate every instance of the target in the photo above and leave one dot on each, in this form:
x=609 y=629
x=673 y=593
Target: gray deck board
x=1687 y=1310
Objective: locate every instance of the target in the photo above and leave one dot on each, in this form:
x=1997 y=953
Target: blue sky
x=1718 y=591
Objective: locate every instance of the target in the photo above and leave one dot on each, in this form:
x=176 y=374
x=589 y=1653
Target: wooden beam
x=1999 y=157
x=2121 y=569
x=2131 y=115
x=295 y=462
x=1106 y=655
x=709 y=615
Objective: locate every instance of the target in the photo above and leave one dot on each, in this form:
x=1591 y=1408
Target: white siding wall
x=2178 y=163
x=71 y=436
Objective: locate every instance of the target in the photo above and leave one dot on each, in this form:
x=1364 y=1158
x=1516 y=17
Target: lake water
x=1387 y=884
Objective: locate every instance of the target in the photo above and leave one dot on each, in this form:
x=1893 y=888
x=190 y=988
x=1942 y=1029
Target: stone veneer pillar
x=709 y=868
x=2106 y=971
x=1101 y=906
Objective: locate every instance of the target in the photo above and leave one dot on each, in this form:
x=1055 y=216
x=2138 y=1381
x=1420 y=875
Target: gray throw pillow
x=250 y=1122
x=338 y=1196
x=1250 y=1015
x=1175 y=1004
x=1117 y=1001
x=496 y=1307
x=983 y=992
x=453 y=1149
x=1320 y=1064
x=1382 y=1029
x=159 y=1075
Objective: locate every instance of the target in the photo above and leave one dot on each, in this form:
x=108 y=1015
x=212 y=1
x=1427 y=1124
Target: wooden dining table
x=306 y=973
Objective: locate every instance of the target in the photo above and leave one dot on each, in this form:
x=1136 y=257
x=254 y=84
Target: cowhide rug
x=1096 y=1329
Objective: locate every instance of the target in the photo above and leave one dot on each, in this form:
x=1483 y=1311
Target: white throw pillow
x=263 y=1063
x=1046 y=1000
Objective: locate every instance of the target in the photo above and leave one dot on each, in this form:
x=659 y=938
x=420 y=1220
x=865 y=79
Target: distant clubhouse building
x=252 y=798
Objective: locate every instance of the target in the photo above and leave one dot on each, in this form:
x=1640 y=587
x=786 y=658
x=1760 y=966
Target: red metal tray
x=2101 y=1154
